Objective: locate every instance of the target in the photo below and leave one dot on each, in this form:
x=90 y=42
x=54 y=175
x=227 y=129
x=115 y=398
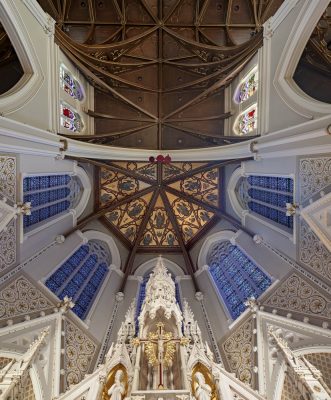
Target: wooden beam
x=218 y=212
x=100 y=213
x=144 y=222
x=186 y=255
x=111 y=167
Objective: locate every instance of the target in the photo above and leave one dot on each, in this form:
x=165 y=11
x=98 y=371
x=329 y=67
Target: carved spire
x=308 y=378
x=160 y=294
x=14 y=375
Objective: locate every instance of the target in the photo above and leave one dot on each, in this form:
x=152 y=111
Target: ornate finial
x=251 y=302
x=66 y=304
x=24 y=208
x=291 y=209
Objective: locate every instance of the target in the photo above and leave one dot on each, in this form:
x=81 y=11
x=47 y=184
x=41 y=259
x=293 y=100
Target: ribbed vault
x=160 y=66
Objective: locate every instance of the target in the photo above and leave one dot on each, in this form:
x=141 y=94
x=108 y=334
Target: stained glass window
x=70 y=119
x=248 y=87
x=49 y=195
x=70 y=85
x=247 y=121
x=237 y=278
x=268 y=195
x=81 y=276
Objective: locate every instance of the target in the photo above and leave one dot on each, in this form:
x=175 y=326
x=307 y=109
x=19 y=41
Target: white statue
x=203 y=390
x=118 y=388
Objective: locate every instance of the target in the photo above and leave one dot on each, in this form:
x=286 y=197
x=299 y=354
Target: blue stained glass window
x=236 y=277
x=48 y=195
x=81 y=276
x=268 y=196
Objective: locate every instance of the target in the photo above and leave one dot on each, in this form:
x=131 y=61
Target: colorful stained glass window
x=268 y=196
x=80 y=276
x=247 y=121
x=236 y=277
x=70 y=119
x=49 y=195
x=248 y=87
x=70 y=85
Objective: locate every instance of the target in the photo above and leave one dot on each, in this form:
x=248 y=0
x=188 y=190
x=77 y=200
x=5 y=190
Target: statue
x=117 y=389
x=202 y=390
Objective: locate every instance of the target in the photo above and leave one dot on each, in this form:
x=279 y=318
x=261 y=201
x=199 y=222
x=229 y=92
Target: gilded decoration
x=79 y=351
x=158 y=202
x=238 y=351
x=20 y=298
x=176 y=169
x=110 y=382
x=201 y=370
x=159 y=230
x=313 y=253
x=144 y=170
x=296 y=294
x=115 y=186
x=203 y=186
x=190 y=217
x=127 y=218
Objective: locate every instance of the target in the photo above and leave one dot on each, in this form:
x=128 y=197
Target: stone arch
x=33 y=77
x=284 y=83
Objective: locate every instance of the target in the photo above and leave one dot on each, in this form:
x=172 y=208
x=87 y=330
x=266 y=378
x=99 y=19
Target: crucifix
x=160 y=347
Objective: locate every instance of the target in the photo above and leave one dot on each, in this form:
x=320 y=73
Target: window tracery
x=80 y=277
x=236 y=277
x=49 y=196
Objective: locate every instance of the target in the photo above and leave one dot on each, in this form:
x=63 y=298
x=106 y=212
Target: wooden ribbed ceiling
x=160 y=66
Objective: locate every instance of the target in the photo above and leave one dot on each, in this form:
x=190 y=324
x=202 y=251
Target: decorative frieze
x=313 y=253
x=315 y=175
x=238 y=351
x=296 y=294
x=79 y=351
x=20 y=298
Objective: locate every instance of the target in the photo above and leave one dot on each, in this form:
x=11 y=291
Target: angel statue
x=202 y=390
x=117 y=389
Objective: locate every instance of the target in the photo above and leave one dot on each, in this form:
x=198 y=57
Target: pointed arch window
x=80 y=277
x=70 y=118
x=268 y=196
x=70 y=85
x=49 y=195
x=247 y=121
x=236 y=277
x=248 y=86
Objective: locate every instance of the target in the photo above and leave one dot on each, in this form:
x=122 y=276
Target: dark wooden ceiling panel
x=158 y=61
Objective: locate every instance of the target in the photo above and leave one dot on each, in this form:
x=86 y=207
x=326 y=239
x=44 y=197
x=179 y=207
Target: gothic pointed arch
x=283 y=80
x=235 y=274
x=83 y=274
x=32 y=77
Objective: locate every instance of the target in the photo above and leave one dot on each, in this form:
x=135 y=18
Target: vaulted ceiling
x=160 y=66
